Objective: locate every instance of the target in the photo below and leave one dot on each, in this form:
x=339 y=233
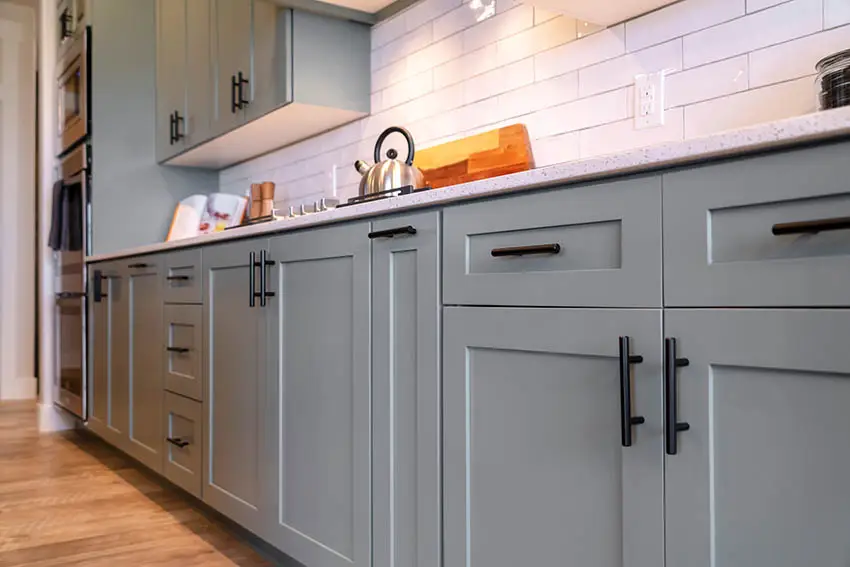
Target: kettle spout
x=361 y=166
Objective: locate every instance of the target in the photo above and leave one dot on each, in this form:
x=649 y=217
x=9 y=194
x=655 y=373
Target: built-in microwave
x=73 y=93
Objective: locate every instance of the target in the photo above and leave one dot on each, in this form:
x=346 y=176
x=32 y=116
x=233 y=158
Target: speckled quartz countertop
x=833 y=124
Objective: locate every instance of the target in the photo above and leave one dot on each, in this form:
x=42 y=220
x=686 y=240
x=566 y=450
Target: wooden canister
x=256 y=200
x=267 y=202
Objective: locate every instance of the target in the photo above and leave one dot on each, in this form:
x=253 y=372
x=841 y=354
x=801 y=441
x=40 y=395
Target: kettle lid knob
x=392 y=154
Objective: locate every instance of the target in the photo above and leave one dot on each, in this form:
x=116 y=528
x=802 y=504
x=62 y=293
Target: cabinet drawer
x=183 y=443
x=721 y=246
x=592 y=245
x=183 y=277
x=183 y=343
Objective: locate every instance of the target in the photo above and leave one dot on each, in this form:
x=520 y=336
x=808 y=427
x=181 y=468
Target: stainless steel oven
x=71 y=307
x=73 y=91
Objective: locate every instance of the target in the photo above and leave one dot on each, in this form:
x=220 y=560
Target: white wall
x=17 y=194
x=442 y=74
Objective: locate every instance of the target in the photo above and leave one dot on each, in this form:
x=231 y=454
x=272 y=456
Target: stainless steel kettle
x=390 y=173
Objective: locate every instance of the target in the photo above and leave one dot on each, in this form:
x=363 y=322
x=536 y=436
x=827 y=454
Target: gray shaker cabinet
x=760 y=476
x=171 y=70
x=232 y=61
x=535 y=469
x=184 y=90
x=406 y=391
x=108 y=394
x=144 y=295
x=234 y=384
x=318 y=402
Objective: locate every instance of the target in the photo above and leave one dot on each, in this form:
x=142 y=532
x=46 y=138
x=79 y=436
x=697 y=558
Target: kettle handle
x=411 y=149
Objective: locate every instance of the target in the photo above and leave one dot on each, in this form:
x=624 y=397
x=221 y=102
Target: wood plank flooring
x=70 y=500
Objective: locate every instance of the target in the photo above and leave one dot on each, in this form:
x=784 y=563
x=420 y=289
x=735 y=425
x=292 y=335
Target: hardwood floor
x=70 y=500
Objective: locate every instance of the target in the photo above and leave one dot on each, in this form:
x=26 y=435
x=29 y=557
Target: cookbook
x=205 y=214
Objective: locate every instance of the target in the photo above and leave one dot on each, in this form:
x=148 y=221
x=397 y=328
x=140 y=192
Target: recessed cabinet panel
x=758 y=477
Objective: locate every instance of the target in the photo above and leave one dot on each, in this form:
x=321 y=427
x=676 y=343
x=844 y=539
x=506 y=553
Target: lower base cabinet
x=235 y=384
x=318 y=402
x=406 y=447
x=760 y=477
x=183 y=443
x=535 y=470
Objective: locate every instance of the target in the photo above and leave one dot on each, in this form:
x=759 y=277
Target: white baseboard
x=20 y=388
x=51 y=418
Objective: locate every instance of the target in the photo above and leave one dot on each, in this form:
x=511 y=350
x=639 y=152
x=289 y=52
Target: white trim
x=51 y=418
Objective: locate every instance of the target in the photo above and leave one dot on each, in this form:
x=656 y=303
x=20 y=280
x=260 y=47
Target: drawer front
x=183 y=443
x=183 y=343
x=595 y=245
x=721 y=246
x=183 y=277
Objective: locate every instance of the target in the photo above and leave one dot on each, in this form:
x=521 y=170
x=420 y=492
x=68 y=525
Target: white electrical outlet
x=649 y=100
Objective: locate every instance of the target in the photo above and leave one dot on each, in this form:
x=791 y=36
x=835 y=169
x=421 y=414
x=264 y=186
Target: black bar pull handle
x=172 y=123
x=178 y=278
x=97 y=283
x=526 y=250
x=234 y=86
x=139 y=265
x=177 y=442
x=179 y=350
x=264 y=263
x=627 y=420
x=393 y=232
x=672 y=425
x=243 y=102
x=252 y=260
x=178 y=120
x=812 y=227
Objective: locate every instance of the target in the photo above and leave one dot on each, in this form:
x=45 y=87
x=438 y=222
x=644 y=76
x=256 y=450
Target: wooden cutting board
x=497 y=152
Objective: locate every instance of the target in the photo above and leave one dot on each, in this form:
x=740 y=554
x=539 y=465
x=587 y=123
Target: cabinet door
x=271 y=61
x=99 y=343
x=232 y=55
x=119 y=357
x=760 y=478
x=200 y=91
x=319 y=453
x=170 y=74
x=144 y=283
x=234 y=376
x=406 y=393
x=535 y=471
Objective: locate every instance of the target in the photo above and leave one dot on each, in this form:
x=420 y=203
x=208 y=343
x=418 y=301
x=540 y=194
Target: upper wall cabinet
x=184 y=91
x=267 y=76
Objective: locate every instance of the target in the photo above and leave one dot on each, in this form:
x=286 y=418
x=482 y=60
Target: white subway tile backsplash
x=455 y=21
x=539 y=95
x=465 y=67
x=498 y=81
x=774 y=25
x=443 y=74
x=605 y=44
x=679 y=19
x=400 y=48
x=707 y=82
x=756 y=5
x=386 y=31
x=503 y=25
x=836 y=13
x=750 y=107
x=409 y=89
x=427 y=10
x=622 y=136
x=555 y=149
x=621 y=72
x=434 y=55
x=542 y=15
x=539 y=38
x=389 y=75
x=580 y=114
x=796 y=58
